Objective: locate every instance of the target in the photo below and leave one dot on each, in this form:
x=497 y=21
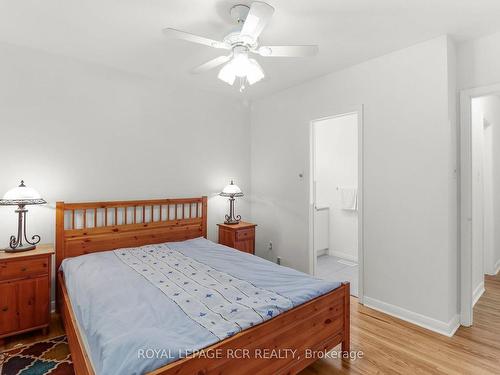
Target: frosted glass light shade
x=21 y=195
x=241 y=66
x=254 y=72
x=226 y=74
x=231 y=190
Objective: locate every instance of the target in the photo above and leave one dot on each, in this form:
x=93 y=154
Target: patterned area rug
x=48 y=357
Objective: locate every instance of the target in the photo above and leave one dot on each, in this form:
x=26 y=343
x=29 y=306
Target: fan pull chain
x=242 y=83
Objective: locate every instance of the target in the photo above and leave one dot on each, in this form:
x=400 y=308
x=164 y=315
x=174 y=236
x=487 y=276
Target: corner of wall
x=454 y=182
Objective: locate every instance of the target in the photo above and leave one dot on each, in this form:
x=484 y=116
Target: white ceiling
x=126 y=34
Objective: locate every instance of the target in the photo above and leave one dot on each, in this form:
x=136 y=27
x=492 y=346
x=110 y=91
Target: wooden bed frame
x=318 y=325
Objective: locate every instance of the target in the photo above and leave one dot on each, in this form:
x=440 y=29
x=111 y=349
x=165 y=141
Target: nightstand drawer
x=245 y=234
x=16 y=269
x=238 y=236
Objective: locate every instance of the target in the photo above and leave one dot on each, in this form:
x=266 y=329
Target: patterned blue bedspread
x=140 y=308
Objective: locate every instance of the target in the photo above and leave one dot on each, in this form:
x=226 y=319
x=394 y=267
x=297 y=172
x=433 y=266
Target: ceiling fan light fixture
x=254 y=72
x=241 y=66
x=226 y=74
x=242 y=41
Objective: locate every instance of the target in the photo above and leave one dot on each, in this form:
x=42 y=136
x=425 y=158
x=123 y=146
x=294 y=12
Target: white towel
x=349 y=198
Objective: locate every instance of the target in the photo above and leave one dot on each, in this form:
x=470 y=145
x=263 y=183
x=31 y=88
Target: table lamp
x=21 y=196
x=231 y=191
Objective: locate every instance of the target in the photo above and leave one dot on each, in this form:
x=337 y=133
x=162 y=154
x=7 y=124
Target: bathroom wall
x=336 y=162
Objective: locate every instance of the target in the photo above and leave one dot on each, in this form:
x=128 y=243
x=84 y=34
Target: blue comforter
x=132 y=327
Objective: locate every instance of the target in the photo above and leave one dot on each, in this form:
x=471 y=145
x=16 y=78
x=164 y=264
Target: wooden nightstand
x=239 y=236
x=25 y=290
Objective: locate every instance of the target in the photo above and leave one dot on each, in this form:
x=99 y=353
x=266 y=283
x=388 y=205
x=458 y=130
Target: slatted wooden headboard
x=83 y=228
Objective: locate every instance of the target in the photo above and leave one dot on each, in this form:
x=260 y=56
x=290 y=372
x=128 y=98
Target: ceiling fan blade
x=258 y=17
x=178 y=34
x=211 y=64
x=288 y=51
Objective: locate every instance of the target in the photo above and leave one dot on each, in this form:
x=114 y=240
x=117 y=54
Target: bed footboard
x=285 y=344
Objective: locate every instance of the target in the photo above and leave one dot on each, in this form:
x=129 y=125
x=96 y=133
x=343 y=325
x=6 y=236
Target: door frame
x=358 y=109
x=466 y=201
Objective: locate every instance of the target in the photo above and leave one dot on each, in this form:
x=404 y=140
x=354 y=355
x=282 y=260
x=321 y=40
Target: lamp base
x=19 y=249
x=231 y=221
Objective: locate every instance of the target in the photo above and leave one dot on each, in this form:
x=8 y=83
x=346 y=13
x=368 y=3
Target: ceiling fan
x=238 y=65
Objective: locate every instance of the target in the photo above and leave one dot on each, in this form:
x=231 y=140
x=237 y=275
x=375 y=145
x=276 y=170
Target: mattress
x=130 y=304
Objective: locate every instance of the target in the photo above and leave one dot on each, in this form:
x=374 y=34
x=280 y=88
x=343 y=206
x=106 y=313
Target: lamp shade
x=21 y=195
x=231 y=190
x=241 y=66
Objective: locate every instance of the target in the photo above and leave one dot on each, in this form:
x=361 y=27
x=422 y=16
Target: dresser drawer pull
x=24 y=269
x=5 y=308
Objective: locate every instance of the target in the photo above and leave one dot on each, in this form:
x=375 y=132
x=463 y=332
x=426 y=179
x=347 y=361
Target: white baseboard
x=443 y=328
x=344 y=255
x=478 y=292
x=322 y=252
x=497 y=266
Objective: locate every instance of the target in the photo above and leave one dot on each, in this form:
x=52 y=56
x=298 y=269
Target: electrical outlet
x=270 y=246
x=278 y=260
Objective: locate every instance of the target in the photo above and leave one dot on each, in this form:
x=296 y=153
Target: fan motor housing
x=239 y=13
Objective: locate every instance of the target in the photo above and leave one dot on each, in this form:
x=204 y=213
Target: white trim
x=358 y=109
x=345 y=256
x=466 y=292
x=478 y=292
x=497 y=267
x=322 y=252
x=444 y=328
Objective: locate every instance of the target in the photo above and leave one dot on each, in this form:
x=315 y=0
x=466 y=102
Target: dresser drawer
x=16 y=269
x=245 y=234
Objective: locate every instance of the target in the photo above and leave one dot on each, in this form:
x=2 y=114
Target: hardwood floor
x=55 y=329
x=392 y=346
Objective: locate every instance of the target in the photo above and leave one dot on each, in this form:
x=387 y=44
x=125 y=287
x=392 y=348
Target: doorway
x=336 y=199
x=480 y=188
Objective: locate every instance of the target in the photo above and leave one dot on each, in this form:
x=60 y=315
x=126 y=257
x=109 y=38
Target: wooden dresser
x=25 y=290
x=239 y=236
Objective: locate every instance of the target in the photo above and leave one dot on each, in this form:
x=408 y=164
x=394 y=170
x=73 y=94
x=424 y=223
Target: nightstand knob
x=24 y=269
x=5 y=308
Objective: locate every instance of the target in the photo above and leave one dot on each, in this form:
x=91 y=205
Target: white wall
x=492 y=116
x=489 y=258
x=479 y=62
x=485 y=113
x=410 y=182
x=478 y=179
x=76 y=131
x=336 y=164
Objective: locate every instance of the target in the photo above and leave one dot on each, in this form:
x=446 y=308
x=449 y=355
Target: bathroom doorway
x=336 y=165
x=479 y=191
